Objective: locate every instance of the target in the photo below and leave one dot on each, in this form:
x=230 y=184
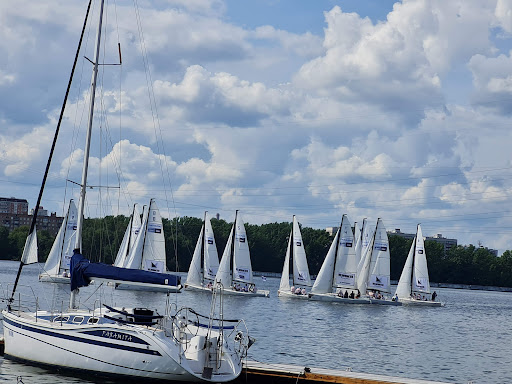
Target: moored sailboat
x=205 y=260
x=300 y=271
x=235 y=268
x=414 y=282
x=123 y=342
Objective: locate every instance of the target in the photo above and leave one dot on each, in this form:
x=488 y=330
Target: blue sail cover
x=83 y=271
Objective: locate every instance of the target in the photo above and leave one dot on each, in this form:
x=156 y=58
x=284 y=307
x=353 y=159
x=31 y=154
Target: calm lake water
x=470 y=339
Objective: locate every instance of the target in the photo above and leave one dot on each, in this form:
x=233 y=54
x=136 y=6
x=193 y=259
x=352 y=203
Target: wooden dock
x=256 y=373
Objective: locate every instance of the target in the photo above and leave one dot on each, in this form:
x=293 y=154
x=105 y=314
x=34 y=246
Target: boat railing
x=25 y=300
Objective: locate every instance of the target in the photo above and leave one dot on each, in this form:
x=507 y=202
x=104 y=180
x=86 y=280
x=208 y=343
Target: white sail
x=153 y=255
x=420 y=282
x=194 y=276
x=403 y=290
x=346 y=265
x=131 y=233
x=224 y=273
x=324 y=279
x=363 y=268
x=211 y=256
x=242 y=268
x=63 y=245
x=134 y=259
x=357 y=241
x=284 y=285
x=380 y=261
x=29 y=255
x=300 y=263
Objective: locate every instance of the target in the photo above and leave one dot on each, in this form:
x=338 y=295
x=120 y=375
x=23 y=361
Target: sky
x=398 y=110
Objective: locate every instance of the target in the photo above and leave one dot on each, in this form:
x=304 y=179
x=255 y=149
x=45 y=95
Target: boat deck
x=256 y=372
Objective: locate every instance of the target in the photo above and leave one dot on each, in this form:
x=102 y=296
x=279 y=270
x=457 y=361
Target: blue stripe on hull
x=81 y=339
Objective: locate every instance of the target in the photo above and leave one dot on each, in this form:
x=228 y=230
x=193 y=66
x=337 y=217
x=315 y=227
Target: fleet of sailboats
x=235 y=268
x=180 y=345
x=296 y=255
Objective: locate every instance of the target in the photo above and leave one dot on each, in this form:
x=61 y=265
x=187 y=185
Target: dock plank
x=255 y=372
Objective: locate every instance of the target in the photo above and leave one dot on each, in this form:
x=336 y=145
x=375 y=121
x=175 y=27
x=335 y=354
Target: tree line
x=267 y=243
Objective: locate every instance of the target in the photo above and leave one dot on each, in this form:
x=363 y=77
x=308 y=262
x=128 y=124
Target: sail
x=284 y=285
x=63 y=245
x=380 y=261
x=324 y=279
x=346 y=265
x=224 y=273
x=300 y=263
x=403 y=290
x=194 y=271
x=242 y=268
x=29 y=255
x=420 y=282
x=361 y=249
x=357 y=241
x=211 y=256
x=132 y=230
x=153 y=254
x=134 y=259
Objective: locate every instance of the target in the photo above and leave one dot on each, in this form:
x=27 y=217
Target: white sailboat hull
x=113 y=349
x=421 y=303
x=384 y=302
x=58 y=279
x=197 y=288
x=258 y=293
x=147 y=287
x=292 y=295
x=333 y=297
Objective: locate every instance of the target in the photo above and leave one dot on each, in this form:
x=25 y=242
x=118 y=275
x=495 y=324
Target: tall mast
x=87 y=150
x=83 y=183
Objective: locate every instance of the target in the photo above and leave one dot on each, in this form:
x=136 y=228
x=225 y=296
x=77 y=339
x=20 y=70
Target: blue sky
x=398 y=110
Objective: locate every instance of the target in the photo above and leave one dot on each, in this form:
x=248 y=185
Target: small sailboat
x=128 y=343
x=338 y=273
x=148 y=252
x=414 y=285
x=237 y=278
x=300 y=271
x=131 y=233
x=56 y=268
x=205 y=261
x=374 y=278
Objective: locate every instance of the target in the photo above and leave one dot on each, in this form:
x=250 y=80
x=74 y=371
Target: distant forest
x=267 y=243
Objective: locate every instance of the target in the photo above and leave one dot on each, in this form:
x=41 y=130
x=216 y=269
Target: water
x=467 y=340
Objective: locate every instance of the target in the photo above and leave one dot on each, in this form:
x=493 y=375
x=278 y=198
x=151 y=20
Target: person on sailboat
x=351 y=295
x=434 y=295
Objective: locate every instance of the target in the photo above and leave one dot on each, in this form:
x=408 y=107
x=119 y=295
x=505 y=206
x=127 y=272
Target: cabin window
x=92 y=320
x=59 y=319
x=78 y=319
